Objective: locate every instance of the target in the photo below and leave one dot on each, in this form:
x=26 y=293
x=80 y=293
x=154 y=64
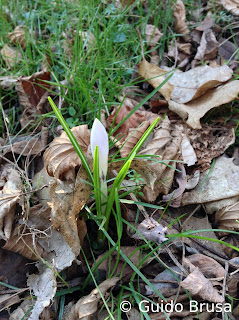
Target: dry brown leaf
x=210 y=142
x=198 y=285
x=231 y=5
x=61 y=159
x=151 y=230
x=155 y=76
x=188 y=153
x=18 y=36
x=174 y=198
x=24 y=243
x=152 y=34
x=68 y=199
x=180 y=26
x=27 y=145
x=209 y=267
x=222 y=182
x=33 y=93
x=228 y=217
x=206 y=24
x=22 y=310
x=11 y=56
x=208 y=46
x=195 y=82
x=133 y=137
x=10 y=195
x=196 y=109
x=132 y=122
x=88 y=305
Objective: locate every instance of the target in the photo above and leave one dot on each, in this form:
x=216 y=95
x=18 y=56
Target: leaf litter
x=187 y=166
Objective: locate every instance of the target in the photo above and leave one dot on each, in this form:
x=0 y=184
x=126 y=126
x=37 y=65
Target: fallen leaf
x=61 y=159
x=33 y=93
x=151 y=230
x=174 y=198
x=208 y=266
x=206 y=24
x=88 y=305
x=214 y=206
x=221 y=182
x=155 y=76
x=192 y=181
x=194 y=83
x=87 y=37
x=10 y=195
x=134 y=121
x=188 y=153
x=22 y=310
x=68 y=199
x=18 y=36
x=44 y=287
x=180 y=26
x=42 y=182
x=8 y=82
x=152 y=35
x=208 y=47
x=194 y=110
x=11 y=56
x=228 y=217
x=231 y=5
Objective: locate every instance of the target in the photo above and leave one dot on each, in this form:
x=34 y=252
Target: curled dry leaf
x=88 y=305
x=208 y=46
x=155 y=76
x=10 y=195
x=194 y=110
x=174 y=198
x=228 y=217
x=188 y=153
x=220 y=183
x=192 y=84
x=61 y=159
x=18 y=36
x=11 y=56
x=33 y=93
x=209 y=267
x=198 y=285
x=68 y=199
x=180 y=26
x=8 y=82
x=231 y=5
x=152 y=35
x=151 y=230
x=22 y=310
x=134 y=121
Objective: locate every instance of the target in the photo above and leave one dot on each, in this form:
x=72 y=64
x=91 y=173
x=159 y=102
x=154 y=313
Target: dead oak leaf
x=88 y=305
x=194 y=83
x=208 y=47
x=180 y=26
x=155 y=76
x=61 y=159
x=11 y=56
x=228 y=217
x=198 y=285
x=194 y=110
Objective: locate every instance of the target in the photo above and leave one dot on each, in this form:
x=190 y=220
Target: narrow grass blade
x=72 y=138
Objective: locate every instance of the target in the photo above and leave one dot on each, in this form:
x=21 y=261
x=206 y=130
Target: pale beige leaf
x=188 y=153
x=198 y=285
x=152 y=35
x=18 y=36
x=179 y=14
x=68 y=199
x=193 y=180
x=231 y=5
x=192 y=84
x=61 y=159
x=196 y=109
x=10 y=195
x=8 y=82
x=228 y=218
x=44 y=287
x=221 y=183
x=88 y=305
x=208 y=46
x=22 y=310
x=209 y=267
x=11 y=56
x=155 y=76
